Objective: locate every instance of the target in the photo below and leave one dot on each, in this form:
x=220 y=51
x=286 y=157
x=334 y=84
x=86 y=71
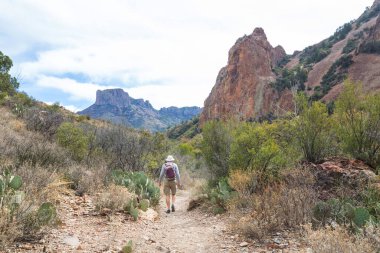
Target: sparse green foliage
x=144 y=204
x=350 y=46
x=312 y=129
x=358 y=123
x=254 y=148
x=216 y=145
x=337 y=73
x=74 y=139
x=295 y=77
x=371 y=47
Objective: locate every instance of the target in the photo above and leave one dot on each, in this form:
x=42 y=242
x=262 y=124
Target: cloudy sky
x=168 y=51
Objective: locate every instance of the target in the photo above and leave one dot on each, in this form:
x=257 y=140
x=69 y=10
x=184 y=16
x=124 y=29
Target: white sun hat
x=169 y=158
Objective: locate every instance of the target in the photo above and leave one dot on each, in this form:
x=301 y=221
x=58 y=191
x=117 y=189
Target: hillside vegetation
x=271 y=176
x=46 y=150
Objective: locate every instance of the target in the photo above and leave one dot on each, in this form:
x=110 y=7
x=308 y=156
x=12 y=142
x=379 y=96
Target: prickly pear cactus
x=128 y=248
x=144 y=204
x=361 y=216
x=135 y=213
x=15 y=182
x=46 y=213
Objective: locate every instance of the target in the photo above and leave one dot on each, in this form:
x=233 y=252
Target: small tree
x=74 y=139
x=255 y=149
x=312 y=129
x=216 y=146
x=358 y=118
x=8 y=84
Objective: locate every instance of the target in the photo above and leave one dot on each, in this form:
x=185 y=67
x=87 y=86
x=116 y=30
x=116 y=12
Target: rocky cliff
x=242 y=88
x=117 y=106
x=260 y=80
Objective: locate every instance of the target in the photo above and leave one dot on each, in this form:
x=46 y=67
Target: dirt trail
x=181 y=231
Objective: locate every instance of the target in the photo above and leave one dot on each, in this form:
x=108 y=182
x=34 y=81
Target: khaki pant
x=170 y=186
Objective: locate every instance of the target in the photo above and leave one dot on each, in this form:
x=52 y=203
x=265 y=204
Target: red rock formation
x=242 y=88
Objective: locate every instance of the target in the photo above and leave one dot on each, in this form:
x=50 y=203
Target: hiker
x=170 y=171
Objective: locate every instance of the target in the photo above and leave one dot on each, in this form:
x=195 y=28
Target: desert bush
x=337 y=73
x=23 y=147
x=371 y=47
x=350 y=46
x=276 y=207
x=358 y=123
x=74 y=139
x=216 y=146
x=87 y=179
x=43 y=121
x=254 y=148
x=338 y=239
x=313 y=130
x=131 y=150
x=113 y=197
x=295 y=77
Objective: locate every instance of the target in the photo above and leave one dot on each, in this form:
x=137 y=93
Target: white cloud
x=76 y=90
x=152 y=48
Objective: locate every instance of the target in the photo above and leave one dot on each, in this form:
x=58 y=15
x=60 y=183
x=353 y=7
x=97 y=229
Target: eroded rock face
x=242 y=88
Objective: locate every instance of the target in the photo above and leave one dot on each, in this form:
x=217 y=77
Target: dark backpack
x=170 y=174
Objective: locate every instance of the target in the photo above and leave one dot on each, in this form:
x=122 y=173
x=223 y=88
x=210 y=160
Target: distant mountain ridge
x=118 y=107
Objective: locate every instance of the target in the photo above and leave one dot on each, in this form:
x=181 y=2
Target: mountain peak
x=117 y=106
x=116 y=97
x=259 y=32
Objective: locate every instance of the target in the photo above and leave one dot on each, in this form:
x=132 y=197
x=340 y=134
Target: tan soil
x=181 y=231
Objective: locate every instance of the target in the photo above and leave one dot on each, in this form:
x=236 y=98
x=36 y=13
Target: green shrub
x=312 y=130
x=8 y=84
x=337 y=73
x=371 y=47
x=255 y=149
x=74 y=139
x=368 y=14
x=358 y=120
x=350 y=46
x=216 y=145
x=144 y=204
x=316 y=53
x=295 y=77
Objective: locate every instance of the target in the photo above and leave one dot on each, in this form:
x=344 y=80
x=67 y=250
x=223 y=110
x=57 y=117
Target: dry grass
x=284 y=205
x=339 y=240
x=114 y=198
x=39 y=186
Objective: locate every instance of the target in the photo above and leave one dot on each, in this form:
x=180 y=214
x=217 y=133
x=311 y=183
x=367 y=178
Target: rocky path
x=181 y=231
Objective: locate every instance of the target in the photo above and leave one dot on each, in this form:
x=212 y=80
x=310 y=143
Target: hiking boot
x=168 y=211
x=173 y=208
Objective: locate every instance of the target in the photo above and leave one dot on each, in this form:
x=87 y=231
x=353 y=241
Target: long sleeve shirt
x=163 y=172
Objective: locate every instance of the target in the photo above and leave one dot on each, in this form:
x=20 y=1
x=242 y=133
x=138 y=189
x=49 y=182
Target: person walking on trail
x=170 y=171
